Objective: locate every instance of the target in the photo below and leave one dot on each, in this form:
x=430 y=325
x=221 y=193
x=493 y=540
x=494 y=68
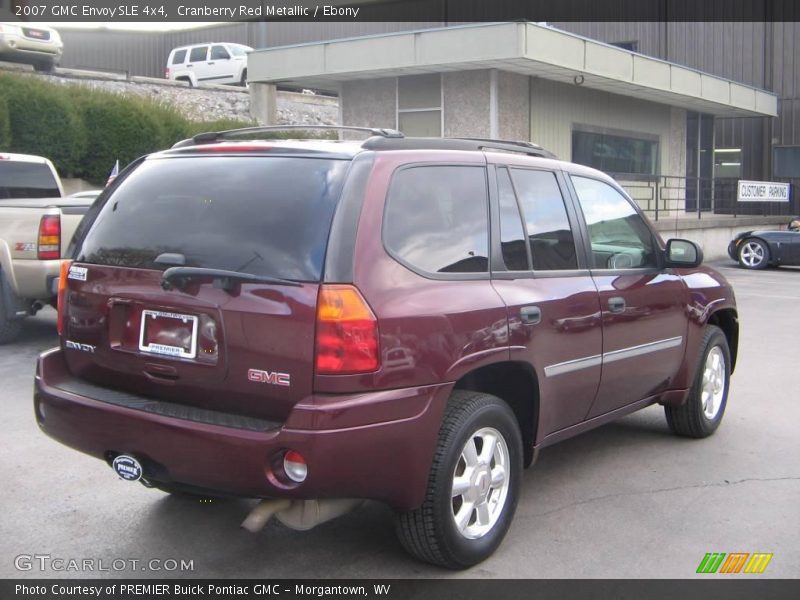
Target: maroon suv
x=315 y=323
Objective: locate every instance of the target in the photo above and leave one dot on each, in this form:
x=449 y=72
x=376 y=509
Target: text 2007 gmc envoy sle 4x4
x=315 y=323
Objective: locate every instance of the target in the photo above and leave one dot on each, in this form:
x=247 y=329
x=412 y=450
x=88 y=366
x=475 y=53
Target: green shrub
x=5 y=127
x=44 y=121
x=174 y=126
x=84 y=131
x=118 y=129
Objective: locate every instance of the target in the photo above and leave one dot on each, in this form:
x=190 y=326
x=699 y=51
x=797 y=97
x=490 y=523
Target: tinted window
x=198 y=54
x=437 y=219
x=265 y=216
x=27 y=180
x=615 y=153
x=512 y=236
x=549 y=233
x=219 y=53
x=619 y=236
x=178 y=57
x=786 y=161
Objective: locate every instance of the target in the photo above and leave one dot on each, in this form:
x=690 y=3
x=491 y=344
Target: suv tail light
x=62 y=291
x=347 y=332
x=166 y=74
x=49 y=237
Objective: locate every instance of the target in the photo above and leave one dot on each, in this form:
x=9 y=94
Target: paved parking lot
x=627 y=500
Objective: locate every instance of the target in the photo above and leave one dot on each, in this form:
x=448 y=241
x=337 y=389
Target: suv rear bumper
x=377 y=445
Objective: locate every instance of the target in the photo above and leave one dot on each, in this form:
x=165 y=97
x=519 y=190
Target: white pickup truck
x=36 y=226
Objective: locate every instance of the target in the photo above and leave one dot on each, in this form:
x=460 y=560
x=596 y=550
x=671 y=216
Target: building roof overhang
x=527 y=48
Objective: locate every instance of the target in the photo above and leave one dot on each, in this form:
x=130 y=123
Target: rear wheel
x=753 y=254
x=473 y=485
x=702 y=413
x=44 y=66
x=243 y=79
x=10 y=326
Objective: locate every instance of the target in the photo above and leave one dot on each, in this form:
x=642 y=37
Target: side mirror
x=683 y=253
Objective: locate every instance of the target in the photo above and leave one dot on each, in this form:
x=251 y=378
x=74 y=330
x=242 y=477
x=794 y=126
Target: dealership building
x=677 y=112
x=638 y=117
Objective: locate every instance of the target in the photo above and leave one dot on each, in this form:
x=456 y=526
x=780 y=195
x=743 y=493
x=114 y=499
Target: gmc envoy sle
x=315 y=323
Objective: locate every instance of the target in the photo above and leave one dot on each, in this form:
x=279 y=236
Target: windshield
x=238 y=50
x=27 y=180
x=266 y=216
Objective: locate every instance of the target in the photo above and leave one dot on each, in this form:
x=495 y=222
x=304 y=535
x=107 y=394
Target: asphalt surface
x=627 y=500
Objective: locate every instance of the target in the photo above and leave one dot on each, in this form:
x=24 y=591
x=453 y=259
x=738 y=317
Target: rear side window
x=549 y=232
x=512 y=236
x=436 y=219
x=267 y=216
x=27 y=180
x=179 y=57
x=198 y=54
x=219 y=53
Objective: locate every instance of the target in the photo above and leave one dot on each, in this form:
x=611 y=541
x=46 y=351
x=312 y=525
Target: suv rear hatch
x=234 y=330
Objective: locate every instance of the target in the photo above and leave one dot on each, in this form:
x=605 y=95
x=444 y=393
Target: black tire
x=10 y=328
x=243 y=80
x=753 y=254
x=44 y=67
x=430 y=532
x=692 y=419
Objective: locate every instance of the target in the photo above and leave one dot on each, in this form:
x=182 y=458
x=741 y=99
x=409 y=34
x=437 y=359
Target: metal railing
x=670 y=197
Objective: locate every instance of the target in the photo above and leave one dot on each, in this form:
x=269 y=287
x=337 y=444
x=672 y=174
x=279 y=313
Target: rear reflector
x=294 y=465
x=347 y=332
x=49 y=237
x=62 y=294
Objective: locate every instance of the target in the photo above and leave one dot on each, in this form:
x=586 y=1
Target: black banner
x=427 y=589
x=445 y=11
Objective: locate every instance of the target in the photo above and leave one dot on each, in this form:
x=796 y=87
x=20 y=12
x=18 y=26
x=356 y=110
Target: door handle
x=211 y=63
x=616 y=304
x=530 y=315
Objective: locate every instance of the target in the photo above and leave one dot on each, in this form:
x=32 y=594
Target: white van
x=209 y=63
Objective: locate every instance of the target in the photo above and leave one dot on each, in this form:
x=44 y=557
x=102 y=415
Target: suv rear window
x=267 y=216
x=179 y=57
x=198 y=54
x=27 y=180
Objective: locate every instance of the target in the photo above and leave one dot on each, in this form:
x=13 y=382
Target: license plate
x=168 y=334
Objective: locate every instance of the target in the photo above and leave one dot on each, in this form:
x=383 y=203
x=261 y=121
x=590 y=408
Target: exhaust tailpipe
x=263 y=512
x=298 y=514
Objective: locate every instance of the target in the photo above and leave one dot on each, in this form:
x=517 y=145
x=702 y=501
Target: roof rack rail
x=216 y=136
x=521 y=146
x=429 y=143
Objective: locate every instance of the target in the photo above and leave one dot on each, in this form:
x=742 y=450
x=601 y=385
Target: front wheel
x=754 y=254
x=702 y=413
x=473 y=484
